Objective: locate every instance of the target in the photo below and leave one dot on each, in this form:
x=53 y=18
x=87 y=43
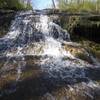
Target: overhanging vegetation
x=80 y=5
x=15 y=4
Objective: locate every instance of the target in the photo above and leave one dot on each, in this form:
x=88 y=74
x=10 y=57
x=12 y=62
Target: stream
x=34 y=64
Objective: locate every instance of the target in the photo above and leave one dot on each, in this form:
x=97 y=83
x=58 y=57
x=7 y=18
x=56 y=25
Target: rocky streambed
x=38 y=61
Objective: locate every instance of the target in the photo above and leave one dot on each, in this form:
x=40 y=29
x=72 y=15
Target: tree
x=15 y=4
x=54 y=4
x=28 y=5
x=79 y=5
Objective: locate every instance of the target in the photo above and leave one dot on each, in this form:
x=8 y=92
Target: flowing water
x=34 y=62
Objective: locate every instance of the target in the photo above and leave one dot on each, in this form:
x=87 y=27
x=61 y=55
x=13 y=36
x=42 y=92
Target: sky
x=42 y=4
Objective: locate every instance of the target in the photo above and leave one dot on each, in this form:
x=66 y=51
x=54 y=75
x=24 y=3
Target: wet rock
x=78 y=51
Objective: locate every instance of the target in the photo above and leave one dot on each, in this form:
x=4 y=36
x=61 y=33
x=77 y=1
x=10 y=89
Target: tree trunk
x=54 y=6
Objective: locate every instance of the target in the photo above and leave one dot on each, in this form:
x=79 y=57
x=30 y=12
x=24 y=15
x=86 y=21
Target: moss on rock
x=78 y=51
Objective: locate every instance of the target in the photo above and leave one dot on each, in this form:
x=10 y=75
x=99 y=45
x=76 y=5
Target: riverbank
x=84 y=30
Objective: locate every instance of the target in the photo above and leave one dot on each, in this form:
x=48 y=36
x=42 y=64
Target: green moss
x=84 y=57
x=92 y=47
x=27 y=74
x=1 y=64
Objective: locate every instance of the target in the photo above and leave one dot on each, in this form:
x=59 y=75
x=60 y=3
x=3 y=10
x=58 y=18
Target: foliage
x=80 y=5
x=14 y=4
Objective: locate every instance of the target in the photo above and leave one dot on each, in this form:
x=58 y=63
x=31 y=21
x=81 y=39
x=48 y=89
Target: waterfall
x=38 y=35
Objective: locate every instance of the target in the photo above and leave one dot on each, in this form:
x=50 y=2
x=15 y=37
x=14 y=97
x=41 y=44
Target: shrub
x=86 y=6
x=14 y=5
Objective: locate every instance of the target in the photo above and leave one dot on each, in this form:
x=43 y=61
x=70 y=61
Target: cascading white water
x=42 y=25
x=24 y=31
x=52 y=47
x=38 y=35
